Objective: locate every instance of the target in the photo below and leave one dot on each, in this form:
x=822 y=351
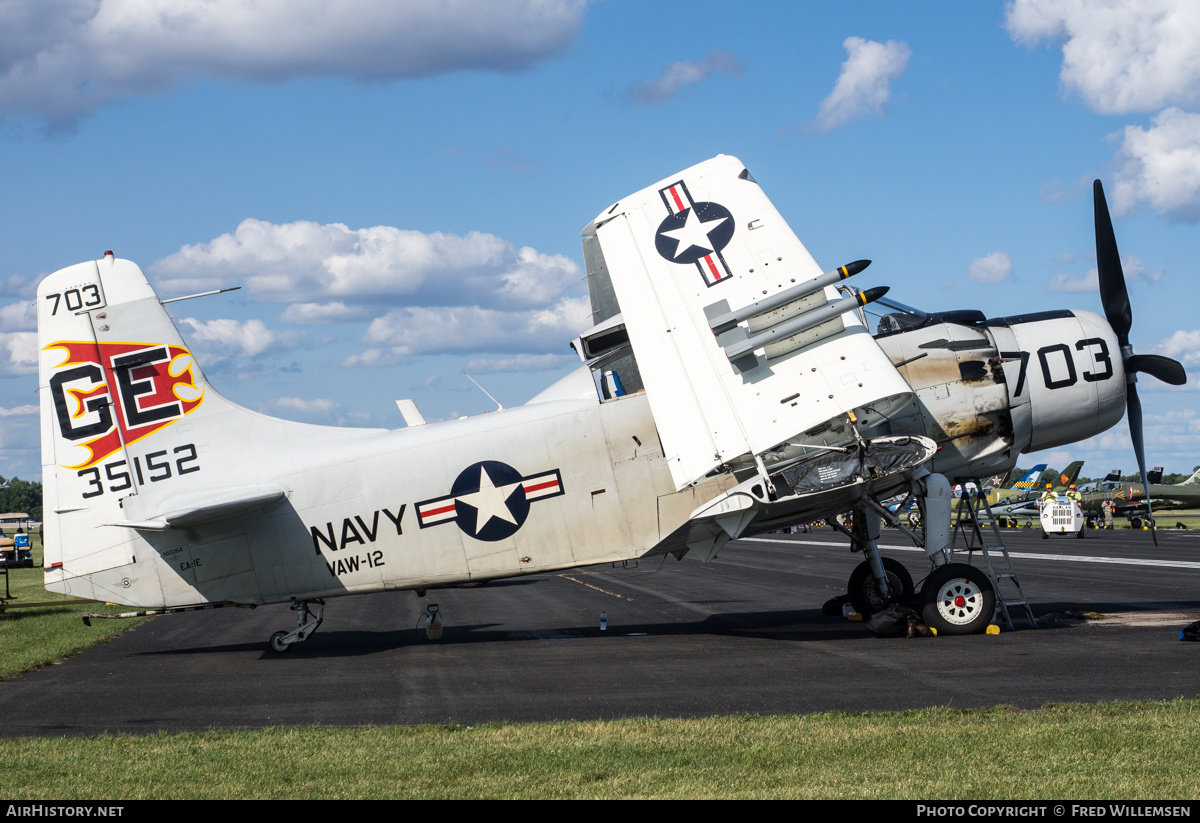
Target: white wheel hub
x=959 y=601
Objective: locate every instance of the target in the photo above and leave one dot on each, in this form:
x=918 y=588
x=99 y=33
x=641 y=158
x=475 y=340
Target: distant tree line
x=19 y=495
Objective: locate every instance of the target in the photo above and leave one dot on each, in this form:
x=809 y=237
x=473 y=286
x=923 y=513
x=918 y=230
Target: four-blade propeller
x=1119 y=313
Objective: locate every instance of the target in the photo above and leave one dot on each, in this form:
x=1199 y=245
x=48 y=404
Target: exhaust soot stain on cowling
x=971 y=371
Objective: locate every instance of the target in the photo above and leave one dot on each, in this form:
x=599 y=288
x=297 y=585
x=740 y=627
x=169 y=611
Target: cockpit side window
x=616 y=374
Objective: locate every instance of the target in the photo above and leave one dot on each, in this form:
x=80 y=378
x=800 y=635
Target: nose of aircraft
x=1119 y=314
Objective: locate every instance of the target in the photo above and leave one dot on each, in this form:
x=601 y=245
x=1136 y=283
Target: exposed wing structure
x=748 y=356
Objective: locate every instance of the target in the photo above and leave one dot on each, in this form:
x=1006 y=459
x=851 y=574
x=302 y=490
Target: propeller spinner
x=1119 y=313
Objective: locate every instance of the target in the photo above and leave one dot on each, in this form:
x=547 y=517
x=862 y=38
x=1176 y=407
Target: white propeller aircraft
x=727 y=388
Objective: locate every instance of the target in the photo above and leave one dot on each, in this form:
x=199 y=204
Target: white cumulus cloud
x=1161 y=167
x=1183 y=346
x=995 y=268
x=1133 y=267
x=865 y=82
x=680 y=73
x=324 y=267
x=521 y=363
x=62 y=59
x=419 y=330
x=1066 y=283
x=1120 y=56
x=233 y=338
x=18 y=317
x=18 y=353
x=304 y=314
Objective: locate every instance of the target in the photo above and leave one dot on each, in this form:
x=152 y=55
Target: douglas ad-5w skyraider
x=728 y=387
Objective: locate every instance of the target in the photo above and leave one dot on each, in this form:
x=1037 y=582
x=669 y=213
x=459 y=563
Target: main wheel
x=1135 y=522
x=277 y=643
x=864 y=592
x=958 y=599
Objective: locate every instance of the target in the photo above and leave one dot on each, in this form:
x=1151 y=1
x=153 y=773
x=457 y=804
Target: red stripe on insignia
x=675 y=196
x=712 y=267
x=433 y=512
x=547 y=485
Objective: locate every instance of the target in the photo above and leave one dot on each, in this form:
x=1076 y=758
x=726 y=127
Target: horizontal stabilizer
x=192 y=510
x=411 y=414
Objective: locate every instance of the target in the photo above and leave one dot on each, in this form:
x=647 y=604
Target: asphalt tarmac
x=743 y=635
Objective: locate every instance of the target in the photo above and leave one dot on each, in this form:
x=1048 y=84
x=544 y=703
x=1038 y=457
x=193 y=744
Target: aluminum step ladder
x=972 y=508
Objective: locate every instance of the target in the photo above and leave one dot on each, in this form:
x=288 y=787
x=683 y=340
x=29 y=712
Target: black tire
x=958 y=599
x=277 y=644
x=1081 y=534
x=1135 y=522
x=864 y=593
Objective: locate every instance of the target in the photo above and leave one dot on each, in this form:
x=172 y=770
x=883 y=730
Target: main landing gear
x=957 y=599
x=865 y=592
x=306 y=621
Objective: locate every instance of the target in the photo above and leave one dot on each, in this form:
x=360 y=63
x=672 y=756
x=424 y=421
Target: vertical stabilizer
x=135 y=442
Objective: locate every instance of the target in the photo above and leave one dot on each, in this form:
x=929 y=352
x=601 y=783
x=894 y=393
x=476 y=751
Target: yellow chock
x=933 y=631
x=992 y=629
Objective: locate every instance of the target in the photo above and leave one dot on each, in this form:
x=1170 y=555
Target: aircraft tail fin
x=135 y=440
x=1031 y=477
x=1194 y=480
x=1071 y=473
x=113 y=372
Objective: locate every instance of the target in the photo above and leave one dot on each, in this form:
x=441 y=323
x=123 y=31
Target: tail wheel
x=958 y=599
x=277 y=642
x=864 y=592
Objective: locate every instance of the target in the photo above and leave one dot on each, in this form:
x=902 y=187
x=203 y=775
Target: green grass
x=41 y=635
x=1125 y=751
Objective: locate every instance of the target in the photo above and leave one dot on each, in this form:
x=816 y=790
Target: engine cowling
x=987 y=390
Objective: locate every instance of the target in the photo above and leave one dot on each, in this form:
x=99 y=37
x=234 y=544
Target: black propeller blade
x=1134 y=410
x=1113 y=293
x=1115 y=297
x=1164 y=368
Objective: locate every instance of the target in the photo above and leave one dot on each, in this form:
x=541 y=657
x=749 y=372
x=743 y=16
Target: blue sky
x=399 y=187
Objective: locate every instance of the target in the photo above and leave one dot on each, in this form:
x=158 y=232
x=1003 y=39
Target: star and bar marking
x=490 y=500
x=695 y=233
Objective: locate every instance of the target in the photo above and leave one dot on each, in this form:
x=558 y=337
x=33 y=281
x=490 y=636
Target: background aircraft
x=1025 y=504
x=1131 y=501
x=727 y=388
